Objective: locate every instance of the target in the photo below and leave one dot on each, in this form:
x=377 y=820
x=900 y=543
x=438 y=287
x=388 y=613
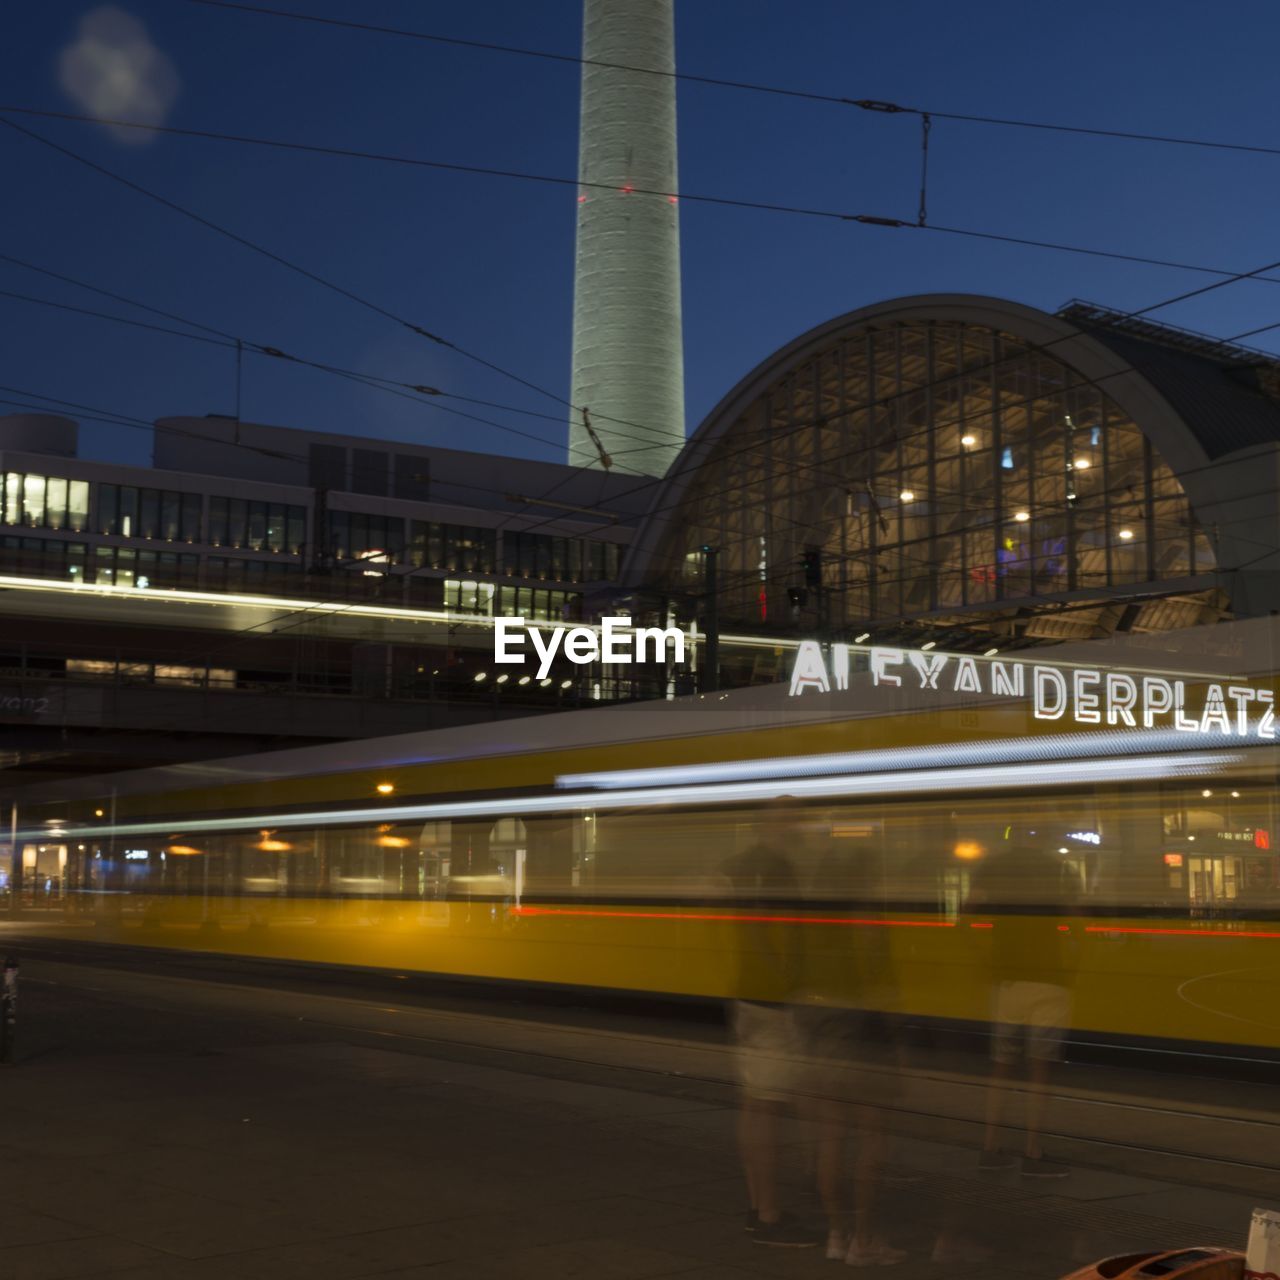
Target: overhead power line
x=292 y=266
x=282 y=261
x=347 y=153
x=719 y=82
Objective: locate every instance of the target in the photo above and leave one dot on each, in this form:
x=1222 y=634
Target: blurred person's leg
x=1007 y=1041
x=1049 y=1014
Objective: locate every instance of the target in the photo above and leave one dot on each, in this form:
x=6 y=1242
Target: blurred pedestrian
x=1030 y=966
x=8 y=1009
x=768 y=961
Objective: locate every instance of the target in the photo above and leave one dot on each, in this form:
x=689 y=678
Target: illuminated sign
x=1086 y=837
x=1082 y=695
x=1173 y=859
x=616 y=641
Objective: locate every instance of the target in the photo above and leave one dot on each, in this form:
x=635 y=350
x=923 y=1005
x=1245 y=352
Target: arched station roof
x=1193 y=399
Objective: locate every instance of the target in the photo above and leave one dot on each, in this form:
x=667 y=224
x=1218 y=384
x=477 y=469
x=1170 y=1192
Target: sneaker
x=837 y=1246
x=752 y=1220
x=786 y=1233
x=989 y=1161
x=1039 y=1167
x=875 y=1254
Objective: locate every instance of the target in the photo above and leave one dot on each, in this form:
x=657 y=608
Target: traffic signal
x=812 y=562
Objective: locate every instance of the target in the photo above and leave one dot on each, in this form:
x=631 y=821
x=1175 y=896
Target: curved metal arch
x=1130 y=390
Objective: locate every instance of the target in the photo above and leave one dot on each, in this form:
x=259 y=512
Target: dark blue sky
x=488 y=263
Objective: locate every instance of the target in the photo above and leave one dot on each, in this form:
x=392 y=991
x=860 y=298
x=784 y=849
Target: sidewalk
x=151 y=1132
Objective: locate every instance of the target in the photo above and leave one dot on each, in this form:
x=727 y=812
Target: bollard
x=1262 y=1256
x=8 y=1010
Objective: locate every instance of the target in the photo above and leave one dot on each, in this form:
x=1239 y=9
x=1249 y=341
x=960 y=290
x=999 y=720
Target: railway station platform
x=170 y=1126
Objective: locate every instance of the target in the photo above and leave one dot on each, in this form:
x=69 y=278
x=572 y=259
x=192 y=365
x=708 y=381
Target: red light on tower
x=672 y=200
x=627 y=190
x=582 y=199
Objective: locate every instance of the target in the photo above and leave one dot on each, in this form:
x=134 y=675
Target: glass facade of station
x=924 y=469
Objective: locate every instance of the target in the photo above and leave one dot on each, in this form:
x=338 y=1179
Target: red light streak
x=981 y=924
x=729 y=916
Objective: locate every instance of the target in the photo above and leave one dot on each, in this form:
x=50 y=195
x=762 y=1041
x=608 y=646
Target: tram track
x=1231 y=1146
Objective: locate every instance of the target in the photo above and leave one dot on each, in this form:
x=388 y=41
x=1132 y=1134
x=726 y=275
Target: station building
x=947 y=470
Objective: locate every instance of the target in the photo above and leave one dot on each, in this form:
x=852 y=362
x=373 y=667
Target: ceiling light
x=907 y=495
x=481 y=675
x=991 y=653
x=929 y=644
x=1082 y=464
x=385 y=788
x=866 y=635
x=566 y=684
x=1206 y=793
x=1022 y=516
x=545 y=683
x=968 y=440
x=1125 y=535
x=502 y=679
x=525 y=679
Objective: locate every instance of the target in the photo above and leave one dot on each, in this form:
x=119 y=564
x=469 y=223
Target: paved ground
x=162 y=1128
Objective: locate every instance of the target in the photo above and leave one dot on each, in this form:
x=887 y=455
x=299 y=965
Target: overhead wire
x=779 y=91
x=349 y=153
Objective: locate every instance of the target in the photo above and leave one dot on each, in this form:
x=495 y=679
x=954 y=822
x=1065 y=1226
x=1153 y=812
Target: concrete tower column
x=628 y=361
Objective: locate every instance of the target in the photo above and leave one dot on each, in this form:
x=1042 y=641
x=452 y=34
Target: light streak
x=926 y=782
x=1046 y=747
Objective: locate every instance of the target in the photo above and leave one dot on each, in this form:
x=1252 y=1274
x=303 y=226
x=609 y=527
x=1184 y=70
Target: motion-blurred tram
x=596 y=849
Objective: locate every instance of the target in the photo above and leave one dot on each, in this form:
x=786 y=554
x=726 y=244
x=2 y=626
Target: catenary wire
x=835 y=215
x=781 y=91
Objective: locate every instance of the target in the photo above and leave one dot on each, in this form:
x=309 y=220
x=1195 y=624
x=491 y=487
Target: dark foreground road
x=160 y=1126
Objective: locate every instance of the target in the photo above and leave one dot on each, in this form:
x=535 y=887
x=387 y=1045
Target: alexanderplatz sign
x=1072 y=694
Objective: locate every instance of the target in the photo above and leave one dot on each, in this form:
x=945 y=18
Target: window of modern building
x=539 y=605
x=556 y=559
x=468 y=596
x=257 y=526
x=253 y=577
x=42 y=558
x=46 y=502
x=456 y=548
x=364 y=535
x=132 y=567
x=162 y=515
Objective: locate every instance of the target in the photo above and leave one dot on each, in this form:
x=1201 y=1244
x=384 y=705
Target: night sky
x=488 y=263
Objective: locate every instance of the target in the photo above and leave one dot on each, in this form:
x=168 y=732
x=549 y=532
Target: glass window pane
x=276 y=527
x=237 y=523
x=12 y=498
x=56 y=503
x=219 y=522
x=108 y=508
x=33 y=501
x=189 y=523
x=78 y=505
x=128 y=522
x=170 y=518
x=148 y=516
x=297 y=532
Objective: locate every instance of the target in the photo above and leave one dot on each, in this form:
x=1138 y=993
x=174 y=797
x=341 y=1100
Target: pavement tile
x=1199 y=1208
x=62 y=1259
